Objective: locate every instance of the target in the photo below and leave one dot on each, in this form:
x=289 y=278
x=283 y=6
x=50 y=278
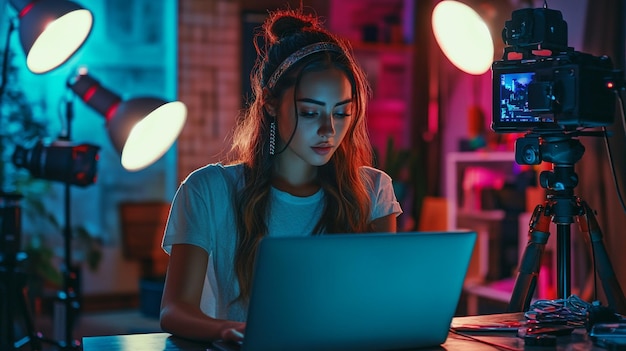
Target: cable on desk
x=571 y=311
x=500 y=346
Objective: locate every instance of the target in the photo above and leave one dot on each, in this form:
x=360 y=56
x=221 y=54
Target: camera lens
x=530 y=155
x=61 y=161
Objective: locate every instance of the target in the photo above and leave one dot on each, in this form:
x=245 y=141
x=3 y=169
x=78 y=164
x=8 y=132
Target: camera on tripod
x=562 y=91
x=552 y=94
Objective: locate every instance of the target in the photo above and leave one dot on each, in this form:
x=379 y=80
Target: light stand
x=68 y=302
x=66 y=311
x=13 y=305
x=561 y=206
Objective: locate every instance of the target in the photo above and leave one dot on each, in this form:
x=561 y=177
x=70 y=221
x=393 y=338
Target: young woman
x=302 y=168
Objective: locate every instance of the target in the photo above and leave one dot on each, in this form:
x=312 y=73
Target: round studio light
x=51 y=31
x=153 y=134
x=141 y=129
x=463 y=36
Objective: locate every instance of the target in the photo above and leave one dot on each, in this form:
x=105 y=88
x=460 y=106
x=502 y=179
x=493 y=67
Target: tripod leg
x=31 y=337
x=530 y=263
x=15 y=312
x=614 y=294
x=7 y=312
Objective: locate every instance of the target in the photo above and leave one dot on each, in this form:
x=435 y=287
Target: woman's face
x=324 y=106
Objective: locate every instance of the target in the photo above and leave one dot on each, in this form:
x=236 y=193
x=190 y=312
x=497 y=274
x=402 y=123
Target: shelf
x=470 y=214
x=453 y=161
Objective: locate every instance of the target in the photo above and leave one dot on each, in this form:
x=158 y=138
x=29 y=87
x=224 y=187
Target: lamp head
x=51 y=31
x=149 y=126
x=468 y=31
x=141 y=129
x=463 y=36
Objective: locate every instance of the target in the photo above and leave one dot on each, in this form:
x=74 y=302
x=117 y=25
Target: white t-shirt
x=202 y=214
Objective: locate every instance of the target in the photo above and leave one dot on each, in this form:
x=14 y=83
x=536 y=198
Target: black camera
x=563 y=91
x=536 y=28
x=60 y=161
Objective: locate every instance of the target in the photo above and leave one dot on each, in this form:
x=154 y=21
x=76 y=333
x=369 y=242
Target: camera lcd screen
x=518 y=99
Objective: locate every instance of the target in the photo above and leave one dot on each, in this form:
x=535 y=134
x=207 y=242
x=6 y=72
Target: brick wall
x=209 y=76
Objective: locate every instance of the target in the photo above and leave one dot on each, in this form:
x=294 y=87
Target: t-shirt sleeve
x=384 y=201
x=198 y=207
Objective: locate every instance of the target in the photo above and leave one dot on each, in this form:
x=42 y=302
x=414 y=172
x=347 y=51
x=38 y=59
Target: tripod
x=14 y=311
x=13 y=307
x=75 y=166
x=560 y=207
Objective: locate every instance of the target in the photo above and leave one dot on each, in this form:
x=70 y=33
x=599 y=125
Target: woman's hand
x=233 y=331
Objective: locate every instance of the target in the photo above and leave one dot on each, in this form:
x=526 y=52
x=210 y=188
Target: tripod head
x=563 y=151
x=557 y=148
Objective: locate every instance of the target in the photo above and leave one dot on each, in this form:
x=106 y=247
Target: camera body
x=60 y=161
x=536 y=27
x=562 y=92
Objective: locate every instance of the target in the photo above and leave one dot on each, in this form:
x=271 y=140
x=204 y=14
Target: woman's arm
x=180 y=306
x=386 y=224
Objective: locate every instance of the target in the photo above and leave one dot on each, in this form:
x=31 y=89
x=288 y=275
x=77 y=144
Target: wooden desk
x=165 y=342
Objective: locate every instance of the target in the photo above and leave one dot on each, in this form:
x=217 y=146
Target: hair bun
x=284 y=24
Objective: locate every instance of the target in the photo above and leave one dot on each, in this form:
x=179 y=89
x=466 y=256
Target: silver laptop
x=356 y=292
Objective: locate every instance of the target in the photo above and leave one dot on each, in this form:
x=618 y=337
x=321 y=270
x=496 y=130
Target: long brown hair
x=347 y=206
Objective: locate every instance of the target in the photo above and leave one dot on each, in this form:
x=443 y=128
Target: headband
x=297 y=56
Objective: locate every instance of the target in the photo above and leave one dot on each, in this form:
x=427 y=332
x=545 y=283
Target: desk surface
x=504 y=340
